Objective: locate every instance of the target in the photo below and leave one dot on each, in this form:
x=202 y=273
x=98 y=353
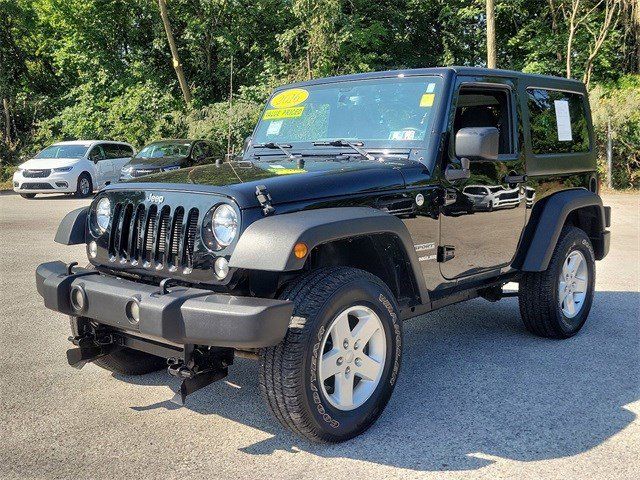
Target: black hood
x=285 y=182
x=156 y=163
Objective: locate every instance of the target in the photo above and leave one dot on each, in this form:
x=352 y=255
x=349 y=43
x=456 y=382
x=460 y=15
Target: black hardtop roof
x=539 y=79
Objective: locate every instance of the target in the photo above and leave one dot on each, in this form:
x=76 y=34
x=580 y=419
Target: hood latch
x=265 y=200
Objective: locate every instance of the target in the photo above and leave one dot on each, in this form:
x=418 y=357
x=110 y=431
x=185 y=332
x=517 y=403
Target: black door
x=483 y=216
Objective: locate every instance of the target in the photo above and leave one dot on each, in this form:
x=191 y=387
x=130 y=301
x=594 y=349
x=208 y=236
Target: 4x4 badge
x=155 y=198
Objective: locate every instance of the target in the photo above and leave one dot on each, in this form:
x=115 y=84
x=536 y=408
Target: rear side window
x=114 y=150
x=125 y=151
x=557 y=122
x=110 y=150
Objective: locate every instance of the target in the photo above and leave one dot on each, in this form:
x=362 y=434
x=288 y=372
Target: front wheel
x=334 y=372
x=556 y=303
x=85 y=186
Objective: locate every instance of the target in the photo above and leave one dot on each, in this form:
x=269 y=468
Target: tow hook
x=196 y=376
x=91 y=346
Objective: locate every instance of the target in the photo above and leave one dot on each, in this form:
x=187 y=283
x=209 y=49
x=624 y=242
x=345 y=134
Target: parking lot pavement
x=477 y=398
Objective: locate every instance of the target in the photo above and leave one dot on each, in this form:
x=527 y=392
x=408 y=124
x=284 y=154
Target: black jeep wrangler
x=358 y=202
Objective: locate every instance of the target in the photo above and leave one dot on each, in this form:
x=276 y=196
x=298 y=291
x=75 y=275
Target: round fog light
x=133 y=312
x=221 y=267
x=93 y=249
x=78 y=299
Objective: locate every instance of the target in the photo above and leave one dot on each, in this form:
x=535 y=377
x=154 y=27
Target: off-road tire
x=288 y=371
x=28 y=196
x=131 y=362
x=538 y=293
x=79 y=192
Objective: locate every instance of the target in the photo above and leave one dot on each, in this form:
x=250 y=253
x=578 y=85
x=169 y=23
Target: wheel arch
x=578 y=207
x=359 y=237
x=381 y=254
x=89 y=174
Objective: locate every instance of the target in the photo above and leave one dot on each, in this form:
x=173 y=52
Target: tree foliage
x=102 y=68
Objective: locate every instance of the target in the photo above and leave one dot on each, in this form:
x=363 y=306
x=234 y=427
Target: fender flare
x=72 y=228
x=267 y=244
x=546 y=224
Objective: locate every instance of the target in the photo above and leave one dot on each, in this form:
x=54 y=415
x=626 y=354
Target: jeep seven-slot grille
x=153 y=237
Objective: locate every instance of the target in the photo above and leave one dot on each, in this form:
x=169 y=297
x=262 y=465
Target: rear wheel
x=334 y=372
x=28 y=195
x=556 y=303
x=85 y=186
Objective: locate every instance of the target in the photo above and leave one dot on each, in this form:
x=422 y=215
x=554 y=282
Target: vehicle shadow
x=474 y=385
x=56 y=197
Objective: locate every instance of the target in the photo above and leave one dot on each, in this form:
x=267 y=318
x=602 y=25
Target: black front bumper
x=181 y=315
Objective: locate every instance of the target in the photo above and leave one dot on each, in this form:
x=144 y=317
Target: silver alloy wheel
x=84 y=186
x=352 y=360
x=572 y=288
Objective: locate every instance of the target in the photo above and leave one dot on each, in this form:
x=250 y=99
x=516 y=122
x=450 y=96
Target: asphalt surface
x=477 y=397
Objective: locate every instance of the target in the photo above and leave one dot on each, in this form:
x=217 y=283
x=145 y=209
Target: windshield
x=390 y=112
x=475 y=191
x=165 y=149
x=63 y=151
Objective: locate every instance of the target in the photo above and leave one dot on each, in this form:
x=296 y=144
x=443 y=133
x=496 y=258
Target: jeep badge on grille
x=155 y=198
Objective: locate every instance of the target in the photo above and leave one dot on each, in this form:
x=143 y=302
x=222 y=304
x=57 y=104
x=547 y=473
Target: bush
x=6 y=176
x=212 y=123
x=141 y=113
x=133 y=113
x=619 y=103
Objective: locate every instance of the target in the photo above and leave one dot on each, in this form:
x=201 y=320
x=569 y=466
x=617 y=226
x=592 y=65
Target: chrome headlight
x=62 y=169
x=224 y=224
x=103 y=214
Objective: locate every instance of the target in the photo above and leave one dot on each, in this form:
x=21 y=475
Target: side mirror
x=477 y=143
x=245 y=145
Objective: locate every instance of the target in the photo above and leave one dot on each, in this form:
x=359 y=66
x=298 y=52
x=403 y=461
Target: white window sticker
x=274 y=127
x=431 y=88
x=563 y=120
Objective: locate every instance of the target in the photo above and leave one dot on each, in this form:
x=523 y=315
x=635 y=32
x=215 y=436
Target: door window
x=96 y=154
x=482 y=107
x=202 y=151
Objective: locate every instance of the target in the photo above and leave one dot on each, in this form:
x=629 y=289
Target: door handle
x=515 y=179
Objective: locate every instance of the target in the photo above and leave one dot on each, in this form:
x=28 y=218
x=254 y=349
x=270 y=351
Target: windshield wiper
x=281 y=146
x=355 y=145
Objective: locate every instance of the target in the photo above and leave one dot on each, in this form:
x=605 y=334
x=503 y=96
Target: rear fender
x=547 y=219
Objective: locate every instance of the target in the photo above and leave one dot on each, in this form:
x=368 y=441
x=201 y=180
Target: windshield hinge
x=265 y=200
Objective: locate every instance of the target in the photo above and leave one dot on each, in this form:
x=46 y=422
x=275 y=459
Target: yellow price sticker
x=286 y=171
x=427 y=99
x=289 y=98
x=279 y=113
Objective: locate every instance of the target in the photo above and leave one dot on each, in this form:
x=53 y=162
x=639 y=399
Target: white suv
x=79 y=167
